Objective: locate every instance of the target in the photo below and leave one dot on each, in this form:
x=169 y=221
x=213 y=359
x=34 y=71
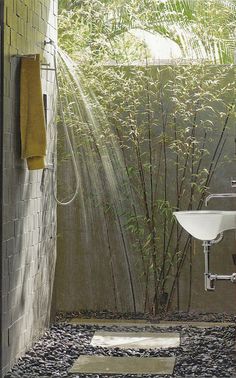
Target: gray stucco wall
x=91 y=265
x=29 y=211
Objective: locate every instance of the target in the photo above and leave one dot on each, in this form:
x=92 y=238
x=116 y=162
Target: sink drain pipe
x=211 y=278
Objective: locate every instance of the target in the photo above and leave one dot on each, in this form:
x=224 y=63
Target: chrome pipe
x=209 y=278
x=219 y=195
x=208 y=283
x=223 y=277
x=47 y=69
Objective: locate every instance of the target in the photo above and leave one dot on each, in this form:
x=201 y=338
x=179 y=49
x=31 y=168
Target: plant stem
x=127 y=262
x=179 y=194
x=215 y=158
x=177 y=227
x=190 y=274
x=164 y=122
x=146 y=270
x=148 y=219
x=111 y=261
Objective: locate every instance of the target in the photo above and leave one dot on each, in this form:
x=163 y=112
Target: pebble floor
x=203 y=352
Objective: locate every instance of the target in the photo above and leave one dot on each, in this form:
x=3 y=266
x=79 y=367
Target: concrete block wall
x=29 y=209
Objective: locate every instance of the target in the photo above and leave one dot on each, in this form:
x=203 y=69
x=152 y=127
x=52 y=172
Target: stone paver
x=135 y=340
x=123 y=365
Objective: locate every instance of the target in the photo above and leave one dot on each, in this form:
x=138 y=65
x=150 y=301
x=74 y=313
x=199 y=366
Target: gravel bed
x=204 y=352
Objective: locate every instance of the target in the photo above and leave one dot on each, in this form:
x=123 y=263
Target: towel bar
x=30 y=56
x=48 y=69
x=33 y=57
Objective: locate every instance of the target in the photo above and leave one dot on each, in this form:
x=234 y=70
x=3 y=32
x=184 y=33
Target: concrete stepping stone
x=123 y=365
x=135 y=340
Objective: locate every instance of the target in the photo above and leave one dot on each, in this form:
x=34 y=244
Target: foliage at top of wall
x=99 y=31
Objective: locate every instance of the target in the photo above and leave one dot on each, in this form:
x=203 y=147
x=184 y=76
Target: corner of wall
x=29 y=209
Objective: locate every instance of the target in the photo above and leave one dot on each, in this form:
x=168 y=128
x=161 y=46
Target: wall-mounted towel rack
x=29 y=56
x=48 y=69
x=45 y=66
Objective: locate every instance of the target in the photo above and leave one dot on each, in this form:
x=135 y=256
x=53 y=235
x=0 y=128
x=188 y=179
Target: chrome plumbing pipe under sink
x=230 y=277
x=211 y=278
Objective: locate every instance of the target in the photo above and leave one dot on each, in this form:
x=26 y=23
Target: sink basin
x=206 y=224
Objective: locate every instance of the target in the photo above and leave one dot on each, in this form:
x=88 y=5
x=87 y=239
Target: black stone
x=202 y=353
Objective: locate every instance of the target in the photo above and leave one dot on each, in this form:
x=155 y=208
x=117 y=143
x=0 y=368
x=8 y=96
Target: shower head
x=49 y=42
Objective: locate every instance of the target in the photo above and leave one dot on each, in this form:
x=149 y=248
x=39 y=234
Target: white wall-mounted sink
x=206 y=224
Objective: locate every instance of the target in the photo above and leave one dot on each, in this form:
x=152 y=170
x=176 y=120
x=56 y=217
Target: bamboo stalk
x=146 y=271
x=152 y=207
x=177 y=227
x=164 y=122
x=148 y=219
x=111 y=262
x=128 y=263
x=190 y=206
x=179 y=197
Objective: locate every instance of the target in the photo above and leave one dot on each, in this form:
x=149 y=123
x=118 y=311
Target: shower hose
x=67 y=136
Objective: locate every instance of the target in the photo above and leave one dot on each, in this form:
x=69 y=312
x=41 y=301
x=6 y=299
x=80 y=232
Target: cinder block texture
x=29 y=210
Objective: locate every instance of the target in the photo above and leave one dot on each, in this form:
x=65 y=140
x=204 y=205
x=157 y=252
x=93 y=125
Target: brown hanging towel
x=32 y=118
